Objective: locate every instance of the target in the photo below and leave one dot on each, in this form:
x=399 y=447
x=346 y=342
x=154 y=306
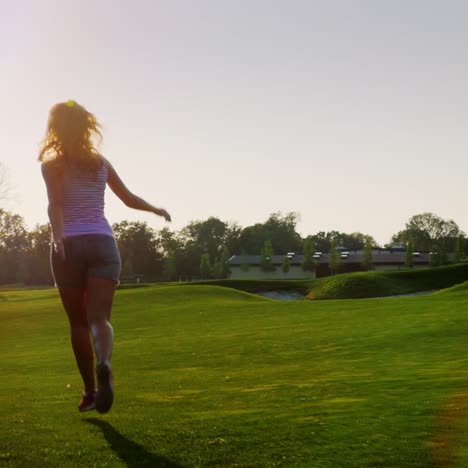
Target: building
x=248 y=266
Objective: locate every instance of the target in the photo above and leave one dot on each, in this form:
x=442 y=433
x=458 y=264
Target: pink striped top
x=83 y=202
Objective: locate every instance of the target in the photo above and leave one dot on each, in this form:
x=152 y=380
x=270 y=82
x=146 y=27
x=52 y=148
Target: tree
x=278 y=229
x=427 y=229
x=173 y=250
x=281 y=231
x=138 y=249
x=217 y=270
x=169 y=269
x=221 y=267
x=205 y=266
x=367 y=254
x=460 y=249
x=225 y=256
x=436 y=256
x=14 y=247
x=409 y=259
x=334 y=261
x=232 y=238
x=167 y=242
x=354 y=241
x=37 y=258
x=266 y=261
x=323 y=240
x=201 y=237
x=13 y=234
x=286 y=266
x=357 y=241
x=308 y=263
x=206 y=236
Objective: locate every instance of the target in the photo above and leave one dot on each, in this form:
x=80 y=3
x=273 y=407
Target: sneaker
x=88 y=402
x=105 y=392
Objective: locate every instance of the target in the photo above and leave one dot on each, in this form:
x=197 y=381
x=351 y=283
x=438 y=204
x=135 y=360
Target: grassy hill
x=358 y=285
x=212 y=376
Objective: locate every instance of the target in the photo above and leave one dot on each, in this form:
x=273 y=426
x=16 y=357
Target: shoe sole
x=105 y=392
x=87 y=408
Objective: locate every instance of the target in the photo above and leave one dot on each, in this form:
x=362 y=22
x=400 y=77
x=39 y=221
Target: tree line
x=202 y=248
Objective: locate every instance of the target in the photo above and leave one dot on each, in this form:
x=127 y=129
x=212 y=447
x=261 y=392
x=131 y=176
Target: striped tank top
x=83 y=202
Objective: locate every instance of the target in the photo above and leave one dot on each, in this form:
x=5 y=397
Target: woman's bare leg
x=100 y=294
x=100 y=298
x=74 y=302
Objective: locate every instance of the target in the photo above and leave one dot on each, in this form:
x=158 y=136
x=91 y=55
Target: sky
x=352 y=113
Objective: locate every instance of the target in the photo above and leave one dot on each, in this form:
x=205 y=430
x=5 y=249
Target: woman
x=85 y=258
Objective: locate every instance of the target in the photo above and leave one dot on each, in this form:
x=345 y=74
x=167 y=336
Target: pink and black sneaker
x=88 y=402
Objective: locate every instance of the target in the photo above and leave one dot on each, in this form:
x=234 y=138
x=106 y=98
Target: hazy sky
x=353 y=113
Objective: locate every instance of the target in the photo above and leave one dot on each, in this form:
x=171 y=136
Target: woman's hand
x=164 y=214
x=59 y=249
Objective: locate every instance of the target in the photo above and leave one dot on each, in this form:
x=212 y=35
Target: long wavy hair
x=70 y=137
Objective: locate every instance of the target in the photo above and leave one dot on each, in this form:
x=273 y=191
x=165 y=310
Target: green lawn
x=211 y=376
x=359 y=285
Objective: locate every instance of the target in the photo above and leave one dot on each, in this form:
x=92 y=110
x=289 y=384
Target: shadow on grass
x=131 y=453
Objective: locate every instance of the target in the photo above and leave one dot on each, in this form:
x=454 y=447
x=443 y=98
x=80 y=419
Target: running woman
x=85 y=258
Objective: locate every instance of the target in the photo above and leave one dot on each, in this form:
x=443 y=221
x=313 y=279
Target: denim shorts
x=86 y=256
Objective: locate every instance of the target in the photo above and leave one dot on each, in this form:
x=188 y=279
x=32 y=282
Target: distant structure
x=248 y=266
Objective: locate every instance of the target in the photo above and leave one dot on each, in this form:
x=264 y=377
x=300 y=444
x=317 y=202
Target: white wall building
x=248 y=266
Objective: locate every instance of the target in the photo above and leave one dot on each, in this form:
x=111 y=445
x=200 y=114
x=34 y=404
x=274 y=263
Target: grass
x=359 y=285
x=211 y=376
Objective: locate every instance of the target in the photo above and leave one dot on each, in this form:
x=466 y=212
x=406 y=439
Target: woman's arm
x=54 y=186
x=130 y=199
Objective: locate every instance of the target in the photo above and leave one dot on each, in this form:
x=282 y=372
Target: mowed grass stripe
x=213 y=376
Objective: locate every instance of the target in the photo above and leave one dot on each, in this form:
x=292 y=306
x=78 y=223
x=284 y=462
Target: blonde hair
x=69 y=135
